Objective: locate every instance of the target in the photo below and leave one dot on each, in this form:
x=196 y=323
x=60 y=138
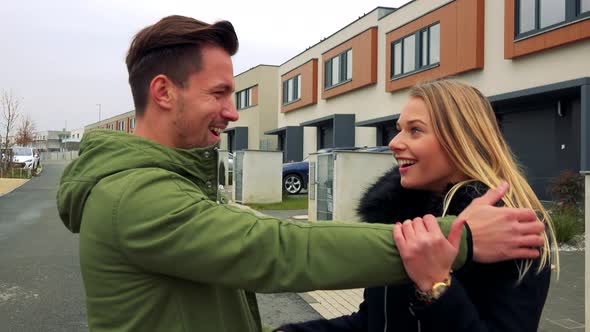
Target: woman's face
x=423 y=163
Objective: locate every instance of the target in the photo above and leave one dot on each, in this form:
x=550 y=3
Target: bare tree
x=9 y=105
x=25 y=134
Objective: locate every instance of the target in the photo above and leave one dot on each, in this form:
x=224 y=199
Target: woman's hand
x=426 y=253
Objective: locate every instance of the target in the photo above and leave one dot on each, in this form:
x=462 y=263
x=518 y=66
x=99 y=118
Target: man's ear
x=163 y=92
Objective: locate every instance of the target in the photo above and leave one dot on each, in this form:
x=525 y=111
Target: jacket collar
x=386 y=201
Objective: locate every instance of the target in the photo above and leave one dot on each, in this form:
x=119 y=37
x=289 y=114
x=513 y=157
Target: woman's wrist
x=426 y=285
x=434 y=291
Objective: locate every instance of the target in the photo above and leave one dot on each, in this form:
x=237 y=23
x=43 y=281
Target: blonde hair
x=466 y=127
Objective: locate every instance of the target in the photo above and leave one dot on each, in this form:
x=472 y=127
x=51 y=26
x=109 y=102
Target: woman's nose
x=396 y=143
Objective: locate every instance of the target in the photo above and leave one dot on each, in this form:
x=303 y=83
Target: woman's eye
x=415 y=130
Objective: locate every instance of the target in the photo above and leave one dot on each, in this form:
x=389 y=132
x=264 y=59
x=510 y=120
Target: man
x=159 y=253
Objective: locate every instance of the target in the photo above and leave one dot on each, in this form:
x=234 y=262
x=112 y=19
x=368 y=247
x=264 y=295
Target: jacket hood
x=386 y=201
x=106 y=152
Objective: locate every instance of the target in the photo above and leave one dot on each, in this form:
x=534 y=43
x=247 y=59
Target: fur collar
x=386 y=201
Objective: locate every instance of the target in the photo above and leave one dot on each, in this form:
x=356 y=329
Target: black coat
x=482 y=297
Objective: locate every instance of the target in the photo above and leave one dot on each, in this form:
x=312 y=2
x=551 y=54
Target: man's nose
x=230 y=112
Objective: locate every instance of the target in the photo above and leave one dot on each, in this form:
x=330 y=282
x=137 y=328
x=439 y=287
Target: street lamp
x=98 y=111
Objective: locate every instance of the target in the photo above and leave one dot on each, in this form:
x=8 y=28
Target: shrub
x=567 y=190
x=567 y=223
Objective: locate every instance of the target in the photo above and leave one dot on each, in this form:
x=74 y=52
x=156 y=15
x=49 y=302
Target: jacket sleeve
x=505 y=306
x=355 y=322
x=165 y=224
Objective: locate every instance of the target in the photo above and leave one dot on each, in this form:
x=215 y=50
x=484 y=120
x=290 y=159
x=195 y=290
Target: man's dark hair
x=172 y=47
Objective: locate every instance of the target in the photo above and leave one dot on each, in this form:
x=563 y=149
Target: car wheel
x=292 y=184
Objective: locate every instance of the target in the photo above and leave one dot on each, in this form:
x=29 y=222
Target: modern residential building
x=72 y=142
x=121 y=122
x=50 y=140
x=256 y=99
x=528 y=57
x=77 y=133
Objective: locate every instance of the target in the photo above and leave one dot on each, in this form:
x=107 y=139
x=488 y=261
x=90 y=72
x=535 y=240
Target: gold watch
x=437 y=290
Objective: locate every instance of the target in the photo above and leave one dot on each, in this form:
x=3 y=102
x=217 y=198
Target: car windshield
x=22 y=151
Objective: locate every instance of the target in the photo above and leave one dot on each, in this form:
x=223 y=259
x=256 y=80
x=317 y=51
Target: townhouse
x=256 y=99
x=121 y=122
x=530 y=57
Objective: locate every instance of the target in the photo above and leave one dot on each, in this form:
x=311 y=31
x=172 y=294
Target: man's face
x=204 y=106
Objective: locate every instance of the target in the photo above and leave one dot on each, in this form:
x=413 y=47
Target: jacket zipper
x=418 y=324
x=385 y=309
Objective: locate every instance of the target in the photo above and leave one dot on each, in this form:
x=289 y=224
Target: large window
x=418 y=51
x=121 y=125
x=533 y=16
x=292 y=89
x=338 y=69
x=132 y=123
x=244 y=98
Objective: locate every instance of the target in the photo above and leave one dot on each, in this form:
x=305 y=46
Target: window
x=552 y=12
x=420 y=50
x=292 y=89
x=121 y=125
x=534 y=16
x=244 y=98
x=338 y=69
x=132 y=123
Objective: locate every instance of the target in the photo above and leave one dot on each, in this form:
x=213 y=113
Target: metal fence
x=49 y=156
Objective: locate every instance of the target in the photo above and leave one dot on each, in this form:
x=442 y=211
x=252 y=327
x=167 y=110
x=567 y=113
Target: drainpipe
x=585 y=170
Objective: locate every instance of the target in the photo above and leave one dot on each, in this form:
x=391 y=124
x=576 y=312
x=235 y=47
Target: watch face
x=438 y=290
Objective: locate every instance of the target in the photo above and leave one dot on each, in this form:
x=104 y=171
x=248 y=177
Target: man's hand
x=502 y=233
x=426 y=253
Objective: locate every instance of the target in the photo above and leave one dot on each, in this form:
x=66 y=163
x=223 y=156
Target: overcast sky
x=63 y=57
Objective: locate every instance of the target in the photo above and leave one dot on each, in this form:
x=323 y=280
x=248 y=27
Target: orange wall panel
x=254 y=95
x=461 y=42
x=364 y=63
x=309 y=85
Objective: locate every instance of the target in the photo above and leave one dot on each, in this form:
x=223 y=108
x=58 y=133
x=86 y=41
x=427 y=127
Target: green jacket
x=159 y=253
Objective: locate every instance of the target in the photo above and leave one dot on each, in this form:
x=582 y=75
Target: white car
x=25 y=157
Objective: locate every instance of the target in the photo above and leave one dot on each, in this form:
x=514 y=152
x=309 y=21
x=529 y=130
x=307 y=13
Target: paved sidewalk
x=331 y=304
x=564 y=309
x=8 y=185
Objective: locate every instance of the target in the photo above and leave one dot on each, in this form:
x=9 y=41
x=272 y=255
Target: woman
x=449 y=150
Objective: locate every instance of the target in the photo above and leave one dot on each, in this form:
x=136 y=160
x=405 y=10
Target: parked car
x=296 y=174
x=25 y=157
